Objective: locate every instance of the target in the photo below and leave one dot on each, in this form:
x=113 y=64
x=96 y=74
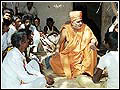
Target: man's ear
x=21 y=43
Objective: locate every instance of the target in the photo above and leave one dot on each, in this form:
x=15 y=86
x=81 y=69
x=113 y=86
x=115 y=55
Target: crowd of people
x=20 y=39
x=73 y=50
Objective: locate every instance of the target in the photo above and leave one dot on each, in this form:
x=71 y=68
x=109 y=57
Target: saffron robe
x=75 y=57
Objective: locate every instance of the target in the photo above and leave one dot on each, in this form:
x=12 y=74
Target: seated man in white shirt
x=5 y=29
x=110 y=61
x=108 y=67
x=15 y=69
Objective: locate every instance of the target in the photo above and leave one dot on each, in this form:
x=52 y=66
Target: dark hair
x=8 y=10
x=28 y=32
x=50 y=19
x=112 y=39
x=20 y=14
x=6 y=22
x=30 y=3
x=18 y=37
x=36 y=18
x=16 y=17
x=27 y=17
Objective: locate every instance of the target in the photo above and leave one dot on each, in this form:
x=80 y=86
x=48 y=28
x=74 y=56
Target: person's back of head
x=112 y=40
x=28 y=32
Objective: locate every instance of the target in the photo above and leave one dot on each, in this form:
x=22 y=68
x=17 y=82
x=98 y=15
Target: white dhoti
x=40 y=82
x=33 y=68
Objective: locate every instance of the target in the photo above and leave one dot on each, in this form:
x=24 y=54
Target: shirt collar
x=22 y=55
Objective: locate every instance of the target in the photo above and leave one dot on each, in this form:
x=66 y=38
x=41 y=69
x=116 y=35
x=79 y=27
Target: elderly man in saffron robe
x=76 y=52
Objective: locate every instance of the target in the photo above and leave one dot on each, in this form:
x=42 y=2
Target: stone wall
x=60 y=11
x=107 y=14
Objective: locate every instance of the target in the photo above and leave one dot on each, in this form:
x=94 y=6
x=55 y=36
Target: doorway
x=91 y=16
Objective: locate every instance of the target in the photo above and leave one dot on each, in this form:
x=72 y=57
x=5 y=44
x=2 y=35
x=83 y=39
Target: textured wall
x=107 y=14
x=58 y=10
x=60 y=14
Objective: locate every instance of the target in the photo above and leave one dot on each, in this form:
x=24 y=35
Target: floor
x=60 y=82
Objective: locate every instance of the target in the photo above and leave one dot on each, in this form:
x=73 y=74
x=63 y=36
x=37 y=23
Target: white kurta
x=111 y=62
x=13 y=72
x=10 y=32
x=4 y=41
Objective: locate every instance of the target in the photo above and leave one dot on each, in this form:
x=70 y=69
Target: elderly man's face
x=25 y=43
x=76 y=24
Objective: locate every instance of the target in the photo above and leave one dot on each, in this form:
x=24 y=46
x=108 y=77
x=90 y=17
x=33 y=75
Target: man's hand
x=49 y=80
x=92 y=46
x=41 y=34
x=22 y=82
